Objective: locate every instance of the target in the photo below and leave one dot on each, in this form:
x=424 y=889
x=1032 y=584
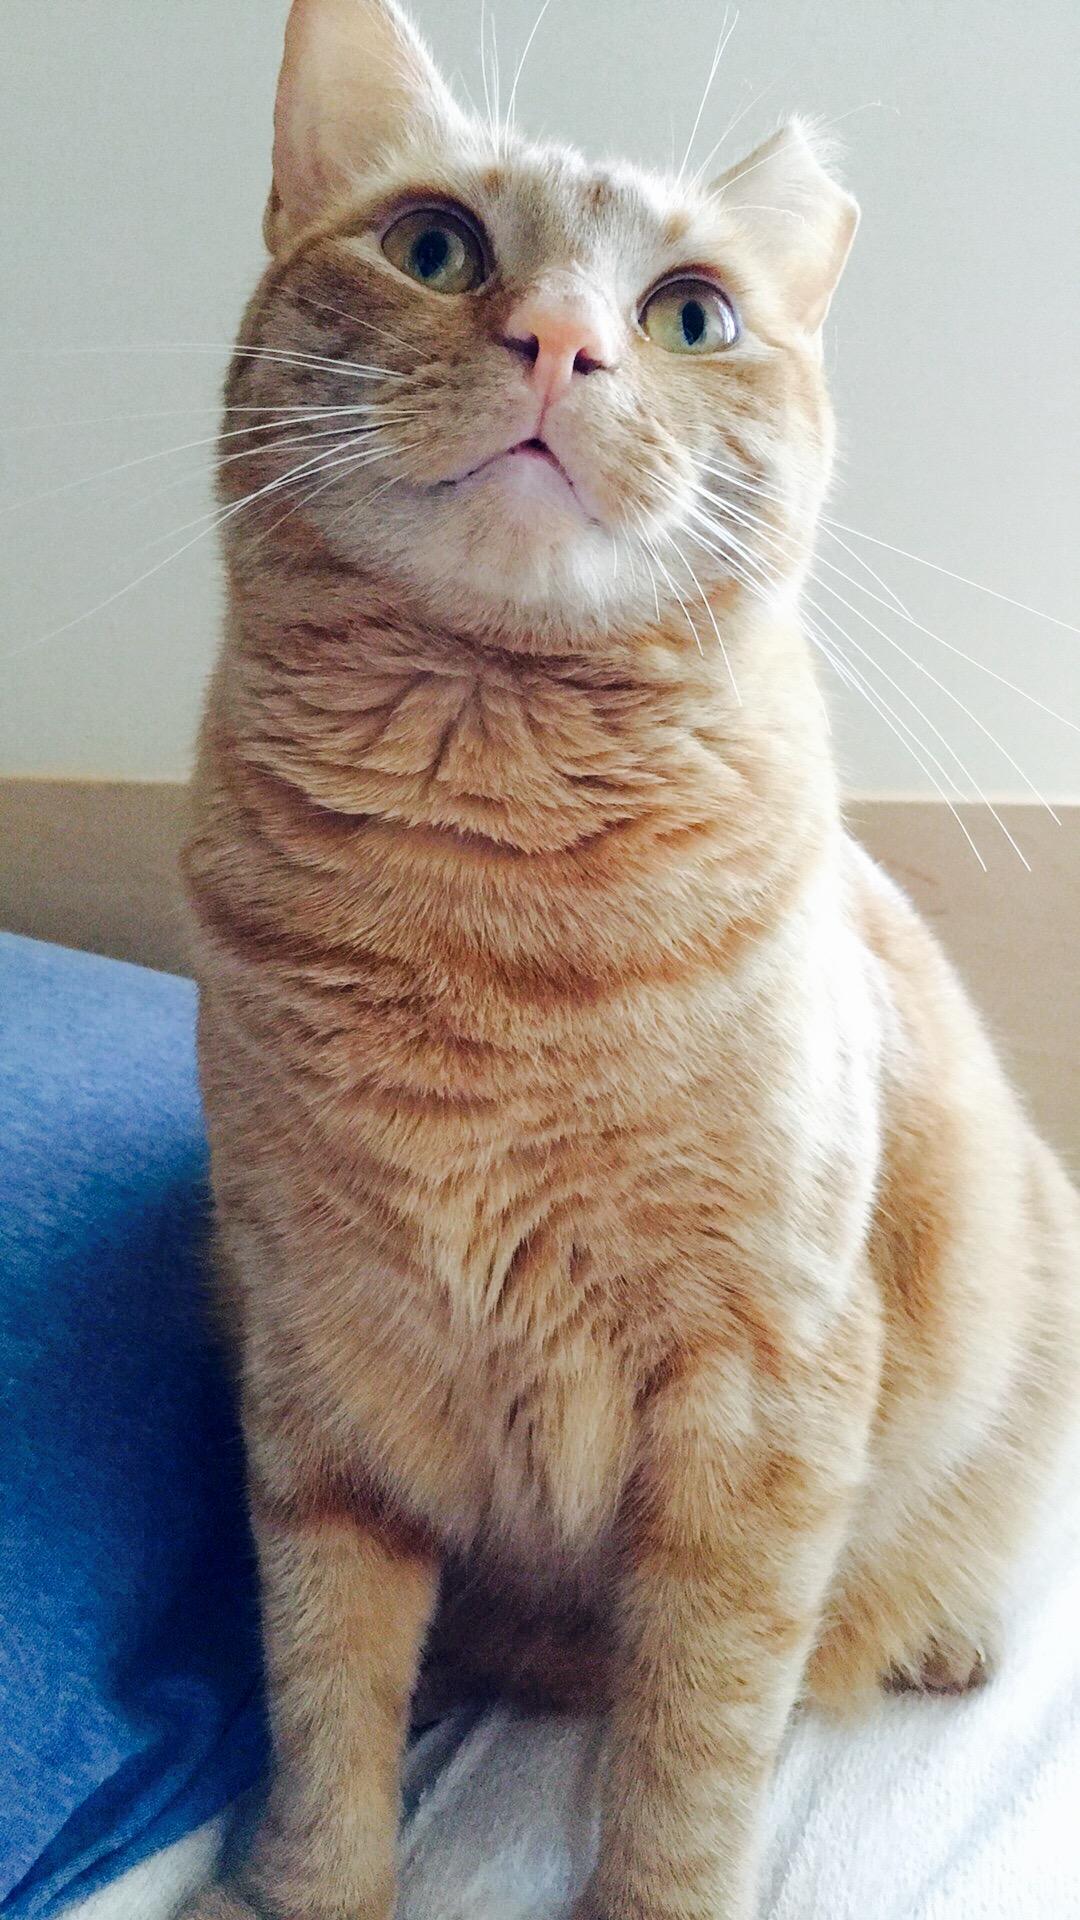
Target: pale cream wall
x=134 y=146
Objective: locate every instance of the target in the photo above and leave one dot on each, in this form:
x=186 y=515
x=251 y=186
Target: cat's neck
x=346 y=694
x=474 y=817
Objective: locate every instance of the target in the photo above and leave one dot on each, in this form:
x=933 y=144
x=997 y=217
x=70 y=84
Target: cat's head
x=536 y=390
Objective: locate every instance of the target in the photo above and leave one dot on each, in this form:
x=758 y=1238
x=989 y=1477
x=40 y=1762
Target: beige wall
x=134 y=142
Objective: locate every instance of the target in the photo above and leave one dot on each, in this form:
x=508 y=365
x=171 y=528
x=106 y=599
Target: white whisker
x=652 y=576
x=980 y=794
x=159 y=413
x=921 y=667
x=364 y=458
x=509 y=122
x=702 y=595
x=90 y=613
x=844 y=671
x=356 y=437
x=187 y=446
x=667 y=576
x=860 y=562
x=743 y=173
x=962 y=579
x=837 y=527
x=483 y=59
x=770 y=576
x=736 y=120
x=752 y=520
x=356 y=320
x=314 y=465
x=864 y=106
x=726 y=32
x=287 y=356
x=491 y=84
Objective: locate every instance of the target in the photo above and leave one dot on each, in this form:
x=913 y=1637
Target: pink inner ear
x=297 y=182
x=302 y=175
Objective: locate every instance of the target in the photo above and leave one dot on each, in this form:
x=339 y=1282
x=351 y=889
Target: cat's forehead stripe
x=601 y=193
x=569 y=203
x=677 y=227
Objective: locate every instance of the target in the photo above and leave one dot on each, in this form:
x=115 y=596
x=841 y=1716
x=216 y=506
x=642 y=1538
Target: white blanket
x=930 y=1810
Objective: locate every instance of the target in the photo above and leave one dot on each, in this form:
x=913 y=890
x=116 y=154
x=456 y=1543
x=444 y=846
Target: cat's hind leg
x=921 y=1612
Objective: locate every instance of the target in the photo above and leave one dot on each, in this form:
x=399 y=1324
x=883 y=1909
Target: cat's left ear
x=800 y=216
x=356 y=83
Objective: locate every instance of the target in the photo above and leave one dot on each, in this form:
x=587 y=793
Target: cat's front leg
x=732 y=1526
x=348 y=1593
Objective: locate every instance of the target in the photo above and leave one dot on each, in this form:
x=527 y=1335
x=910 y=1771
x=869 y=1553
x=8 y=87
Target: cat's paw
x=949 y=1665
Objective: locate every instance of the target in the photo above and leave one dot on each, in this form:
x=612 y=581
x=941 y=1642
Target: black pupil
x=431 y=252
x=693 y=322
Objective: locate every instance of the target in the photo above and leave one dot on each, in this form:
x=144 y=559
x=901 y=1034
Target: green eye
x=690 y=316
x=438 y=248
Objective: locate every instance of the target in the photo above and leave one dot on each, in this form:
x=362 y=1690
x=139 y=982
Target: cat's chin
x=527 y=564
x=517 y=575
x=512 y=542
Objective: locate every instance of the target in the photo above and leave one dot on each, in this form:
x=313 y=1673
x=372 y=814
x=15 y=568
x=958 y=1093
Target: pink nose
x=559 y=333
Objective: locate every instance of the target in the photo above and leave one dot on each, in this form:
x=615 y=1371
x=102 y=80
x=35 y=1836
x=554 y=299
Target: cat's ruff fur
x=618 y=1196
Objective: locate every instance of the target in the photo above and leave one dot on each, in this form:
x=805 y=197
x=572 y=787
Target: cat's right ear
x=356 y=82
x=789 y=200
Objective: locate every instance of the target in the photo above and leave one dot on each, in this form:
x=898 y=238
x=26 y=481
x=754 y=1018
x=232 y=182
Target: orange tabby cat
x=622 y=1211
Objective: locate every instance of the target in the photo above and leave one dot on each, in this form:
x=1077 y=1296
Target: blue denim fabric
x=130 y=1696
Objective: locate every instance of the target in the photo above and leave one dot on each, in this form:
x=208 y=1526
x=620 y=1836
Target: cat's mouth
x=530 y=463
x=537 y=449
